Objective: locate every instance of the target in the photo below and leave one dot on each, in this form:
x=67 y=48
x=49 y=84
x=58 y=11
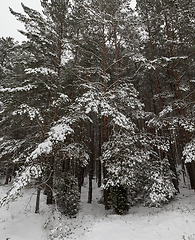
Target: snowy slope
x=18 y=220
x=175 y=221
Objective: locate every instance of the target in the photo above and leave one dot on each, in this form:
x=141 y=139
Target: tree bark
x=37 y=207
x=49 y=185
x=91 y=164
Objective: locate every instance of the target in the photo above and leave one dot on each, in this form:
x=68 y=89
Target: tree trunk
x=191 y=171
x=49 y=184
x=105 y=117
x=99 y=154
x=91 y=164
x=152 y=57
x=37 y=207
x=8 y=175
x=90 y=181
x=80 y=176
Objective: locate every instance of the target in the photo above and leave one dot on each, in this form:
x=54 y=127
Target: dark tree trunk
x=8 y=175
x=106 y=191
x=191 y=171
x=99 y=154
x=49 y=184
x=173 y=169
x=90 y=181
x=91 y=164
x=80 y=176
x=37 y=207
x=99 y=173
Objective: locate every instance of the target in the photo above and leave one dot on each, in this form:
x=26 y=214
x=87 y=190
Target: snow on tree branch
x=63 y=98
x=31 y=111
x=18 y=89
x=97 y=103
x=189 y=151
x=30 y=172
x=75 y=150
x=9 y=146
x=41 y=70
x=187 y=124
x=58 y=133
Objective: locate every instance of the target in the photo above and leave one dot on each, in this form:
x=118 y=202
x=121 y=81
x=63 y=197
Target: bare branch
x=136 y=72
x=189 y=95
x=41 y=127
x=115 y=62
x=118 y=81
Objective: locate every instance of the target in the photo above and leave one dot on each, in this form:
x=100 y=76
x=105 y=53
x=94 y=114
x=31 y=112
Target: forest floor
x=173 y=221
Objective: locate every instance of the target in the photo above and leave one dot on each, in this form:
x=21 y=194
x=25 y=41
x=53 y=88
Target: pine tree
x=107 y=91
x=13 y=64
x=42 y=95
x=171 y=57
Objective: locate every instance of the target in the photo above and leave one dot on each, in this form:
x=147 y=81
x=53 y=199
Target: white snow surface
x=174 y=221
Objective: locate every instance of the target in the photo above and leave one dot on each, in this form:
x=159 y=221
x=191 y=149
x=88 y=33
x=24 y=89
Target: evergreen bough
x=118 y=199
x=67 y=195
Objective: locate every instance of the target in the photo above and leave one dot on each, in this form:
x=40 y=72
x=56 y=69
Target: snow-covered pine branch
x=94 y=101
x=40 y=70
x=18 y=89
x=27 y=175
x=77 y=151
x=189 y=151
x=9 y=146
x=58 y=133
x=62 y=98
x=32 y=112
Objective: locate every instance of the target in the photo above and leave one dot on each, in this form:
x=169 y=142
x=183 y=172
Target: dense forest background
x=100 y=91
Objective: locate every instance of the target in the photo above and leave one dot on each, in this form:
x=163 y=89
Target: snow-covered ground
x=174 y=221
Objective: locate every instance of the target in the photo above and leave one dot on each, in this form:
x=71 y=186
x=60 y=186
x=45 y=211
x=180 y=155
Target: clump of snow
x=57 y=133
x=43 y=148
